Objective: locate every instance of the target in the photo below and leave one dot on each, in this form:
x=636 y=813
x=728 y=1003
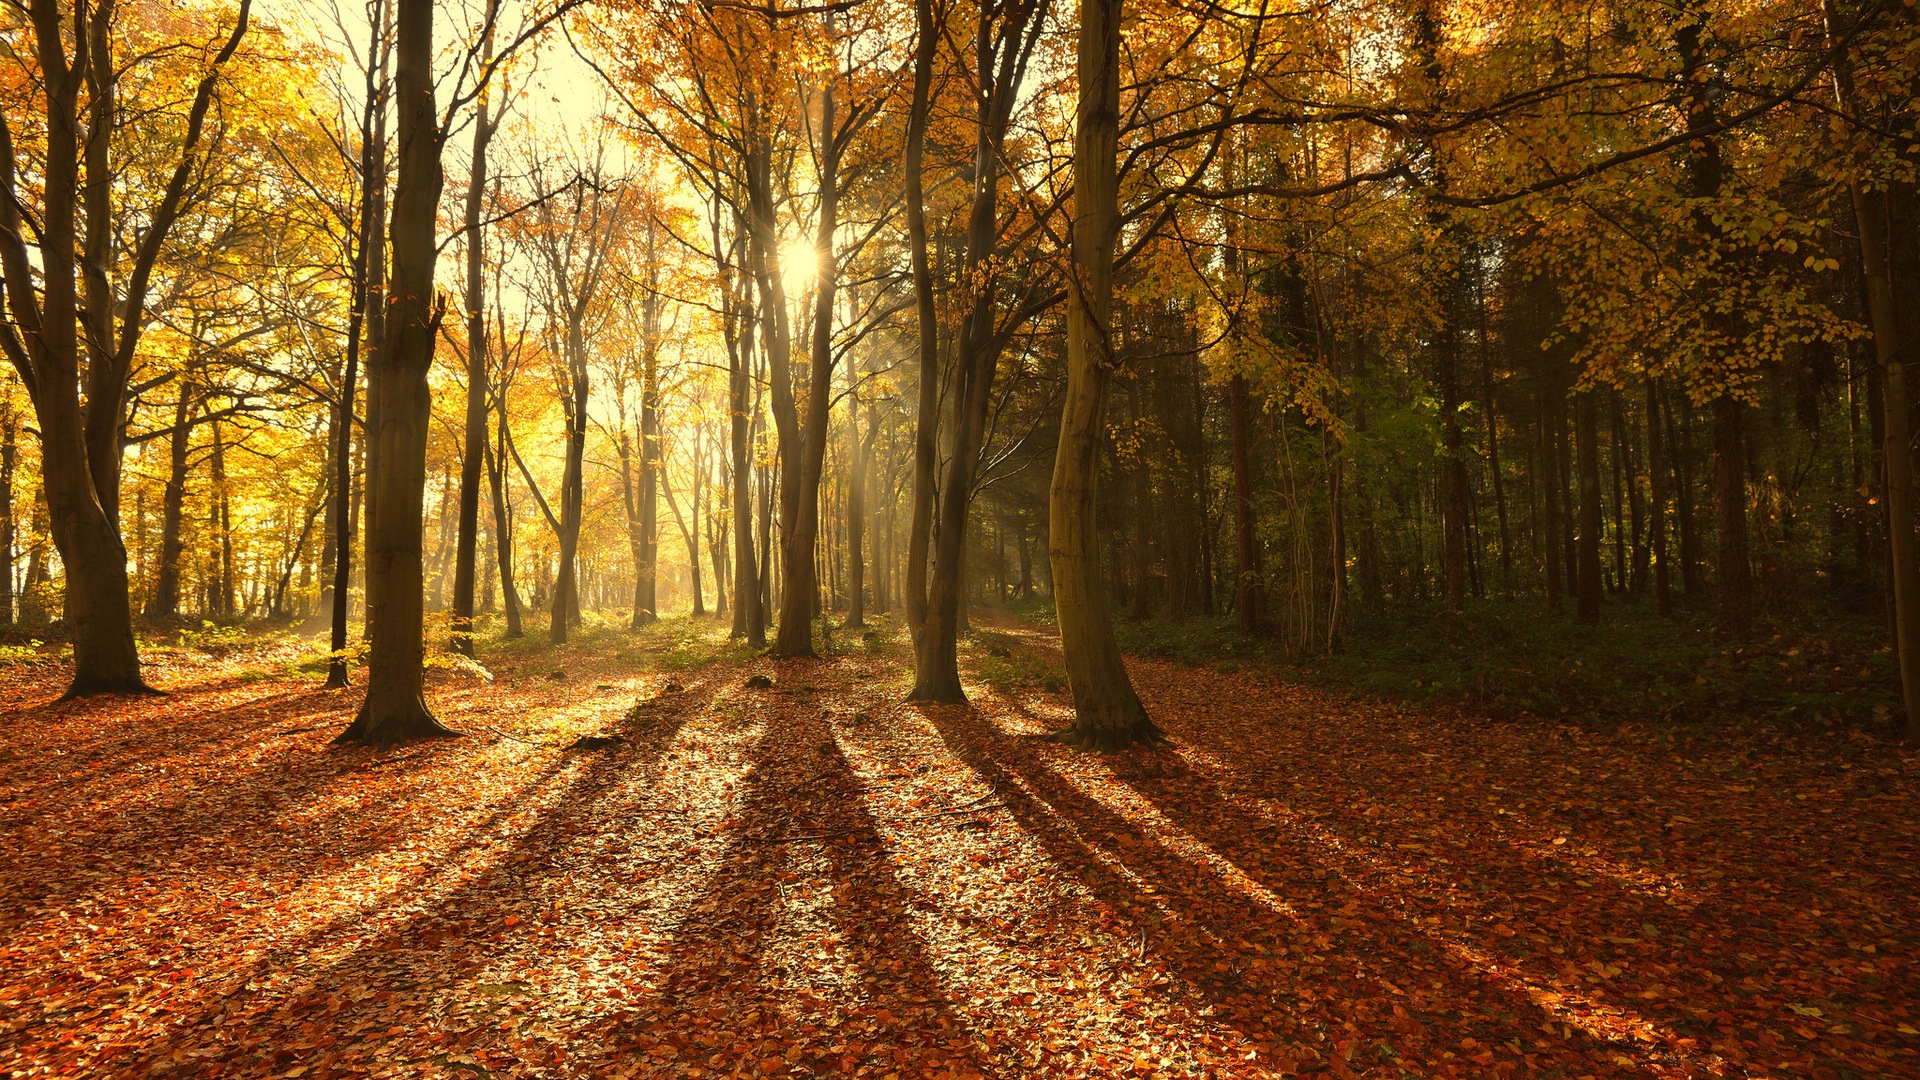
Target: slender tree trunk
x=749 y=616
x=566 y=589
x=689 y=536
x=1494 y=471
x=1453 y=464
x=503 y=530
x=1735 y=575
x=646 y=570
x=1246 y=586
x=804 y=451
x=396 y=707
x=693 y=510
x=1896 y=449
x=376 y=304
x=1630 y=552
x=645 y=512
x=1107 y=712
x=1874 y=223
x=165 y=602
x=1657 y=507
x=1586 y=428
x=1549 y=490
x=221 y=515
x=856 y=504
x=927 y=427
x=9 y=429
x=717 y=527
x=936 y=645
x=467 y=542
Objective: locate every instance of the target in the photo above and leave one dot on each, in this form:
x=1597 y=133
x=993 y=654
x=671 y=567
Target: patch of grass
x=1634 y=667
x=681 y=644
x=1035 y=610
x=218 y=638
x=999 y=661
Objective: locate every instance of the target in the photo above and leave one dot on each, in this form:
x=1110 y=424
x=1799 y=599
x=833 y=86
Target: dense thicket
x=778 y=312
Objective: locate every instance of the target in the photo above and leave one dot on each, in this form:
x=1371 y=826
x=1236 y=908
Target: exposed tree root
x=392 y=727
x=96 y=686
x=938 y=691
x=1107 y=738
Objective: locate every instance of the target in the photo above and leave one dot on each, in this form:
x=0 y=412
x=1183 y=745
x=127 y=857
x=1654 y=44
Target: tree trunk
x=927 y=426
x=9 y=429
x=1246 y=587
x=856 y=504
x=221 y=516
x=374 y=304
x=503 y=532
x=1494 y=471
x=1735 y=576
x=646 y=568
x=1586 y=428
x=804 y=451
x=693 y=510
x=1873 y=222
x=936 y=645
x=1549 y=496
x=1869 y=207
x=1657 y=507
x=99 y=607
x=1630 y=549
x=467 y=541
x=1107 y=712
x=396 y=707
x=1453 y=464
x=165 y=602
x=749 y=617
x=566 y=589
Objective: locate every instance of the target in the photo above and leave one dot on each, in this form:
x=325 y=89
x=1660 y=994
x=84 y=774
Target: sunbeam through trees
x=959 y=538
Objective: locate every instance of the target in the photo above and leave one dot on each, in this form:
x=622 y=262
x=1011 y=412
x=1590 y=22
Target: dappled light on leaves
x=814 y=878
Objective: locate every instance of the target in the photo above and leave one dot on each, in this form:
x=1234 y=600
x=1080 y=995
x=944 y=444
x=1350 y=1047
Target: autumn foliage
x=818 y=879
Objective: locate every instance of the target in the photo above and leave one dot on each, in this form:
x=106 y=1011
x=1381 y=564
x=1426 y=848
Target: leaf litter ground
x=815 y=878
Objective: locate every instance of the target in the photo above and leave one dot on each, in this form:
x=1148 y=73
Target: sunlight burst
x=799 y=264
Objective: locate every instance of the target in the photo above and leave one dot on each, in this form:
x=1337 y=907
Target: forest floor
x=816 y=878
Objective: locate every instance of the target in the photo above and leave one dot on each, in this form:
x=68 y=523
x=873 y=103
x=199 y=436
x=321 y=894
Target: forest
x=959 y=538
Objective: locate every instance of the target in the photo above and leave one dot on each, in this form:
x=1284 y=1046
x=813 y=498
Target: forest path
x=816 y=878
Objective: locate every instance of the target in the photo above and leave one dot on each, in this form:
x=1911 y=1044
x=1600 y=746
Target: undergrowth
x=1634 y=667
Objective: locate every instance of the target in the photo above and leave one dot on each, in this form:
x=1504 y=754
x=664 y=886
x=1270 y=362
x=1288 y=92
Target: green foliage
x=215 y=639
x=885 y=636
x=1035 y=610
x=30 y=652
x=681 y=644
x=999 y=661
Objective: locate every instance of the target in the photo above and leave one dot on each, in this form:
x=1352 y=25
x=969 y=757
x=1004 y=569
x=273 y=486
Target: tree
x=577 y=225
x=395 y=708
x=1107 y=713
x=1005 y=41
x=369 y=280
x=81 y=443
x=486 y=121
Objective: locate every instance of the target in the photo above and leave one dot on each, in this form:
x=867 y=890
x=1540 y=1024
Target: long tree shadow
x=1607 y=941
x=478 y=905
x=173 y=802
x=801 y=946
x=103 y=741
x=1317 y=973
